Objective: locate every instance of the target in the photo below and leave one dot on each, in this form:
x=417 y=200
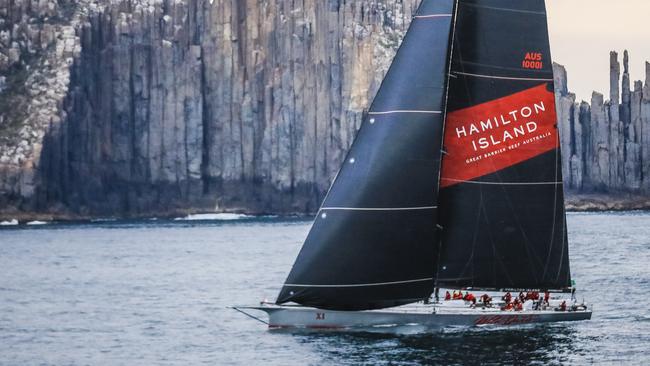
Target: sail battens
x=379 y=208
x=377 y=222
x=492 y=214
x=501 y=193
x=512 y=10
x=403 y=111
x=431 y=16
x=500 y=77
x=363 y=284
x=503 y=183
x=471 y=64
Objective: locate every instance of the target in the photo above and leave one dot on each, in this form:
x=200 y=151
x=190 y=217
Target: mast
x=373 y=241
x=501 y=192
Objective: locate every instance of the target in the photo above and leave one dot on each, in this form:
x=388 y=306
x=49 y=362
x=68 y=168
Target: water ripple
x=156 y=293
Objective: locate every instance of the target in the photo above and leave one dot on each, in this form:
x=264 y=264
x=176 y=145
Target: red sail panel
x=492 y=136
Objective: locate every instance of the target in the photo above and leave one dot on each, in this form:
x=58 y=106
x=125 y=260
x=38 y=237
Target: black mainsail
x=374 y=242
x=501 y=194
x=394 y=224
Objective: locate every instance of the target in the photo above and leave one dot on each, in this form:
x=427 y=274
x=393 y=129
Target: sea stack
x=606 y=143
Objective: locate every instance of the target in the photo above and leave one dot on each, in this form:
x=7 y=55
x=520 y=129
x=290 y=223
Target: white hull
x=420 y=315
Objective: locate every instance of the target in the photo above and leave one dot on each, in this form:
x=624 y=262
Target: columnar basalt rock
x=209 y=104
x=609 y=148
x=37 y=47
x=644 y=132
x=141 y=107
x=565 y=102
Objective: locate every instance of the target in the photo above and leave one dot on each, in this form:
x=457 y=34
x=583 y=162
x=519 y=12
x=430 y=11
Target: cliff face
x=204 y=104
x=145 y=107
x=37 y=48
x=606 y=145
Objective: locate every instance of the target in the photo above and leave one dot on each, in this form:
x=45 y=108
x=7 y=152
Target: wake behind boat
x=454 y=181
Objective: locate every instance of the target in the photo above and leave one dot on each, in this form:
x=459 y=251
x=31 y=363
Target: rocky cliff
x=149 y=107
x=606 y=144
x=203 y=104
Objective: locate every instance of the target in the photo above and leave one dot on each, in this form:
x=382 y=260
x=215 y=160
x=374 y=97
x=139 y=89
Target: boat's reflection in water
x=534 y=344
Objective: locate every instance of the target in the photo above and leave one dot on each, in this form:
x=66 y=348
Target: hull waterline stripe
x=379 y=208
x=432 y=16
x=362 y=284
x=404 y=111
x=504 y=183
x=500 y=77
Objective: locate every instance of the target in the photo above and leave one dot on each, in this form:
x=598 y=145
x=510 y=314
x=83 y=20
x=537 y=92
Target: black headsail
x=501 y=197
x=374 y=242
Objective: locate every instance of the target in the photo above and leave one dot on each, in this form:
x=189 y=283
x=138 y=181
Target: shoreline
x=573 y=203
x=602 y=203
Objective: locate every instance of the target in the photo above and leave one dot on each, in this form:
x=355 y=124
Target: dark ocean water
x=156 y=293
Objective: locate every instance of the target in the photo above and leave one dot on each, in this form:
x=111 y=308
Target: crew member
x=447 y=296
x=519 y=307
x=470 y=297
x=507 y=297
x=486 y=300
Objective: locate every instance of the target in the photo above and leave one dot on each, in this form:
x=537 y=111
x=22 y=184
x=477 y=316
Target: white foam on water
x=214 y=216
x=12 y=222
x=36 y=222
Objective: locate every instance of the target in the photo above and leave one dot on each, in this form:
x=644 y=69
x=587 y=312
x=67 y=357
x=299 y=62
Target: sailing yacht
x=453 y=182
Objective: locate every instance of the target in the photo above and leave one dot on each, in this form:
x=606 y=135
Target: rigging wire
x=249 y=315
x=444 y=120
